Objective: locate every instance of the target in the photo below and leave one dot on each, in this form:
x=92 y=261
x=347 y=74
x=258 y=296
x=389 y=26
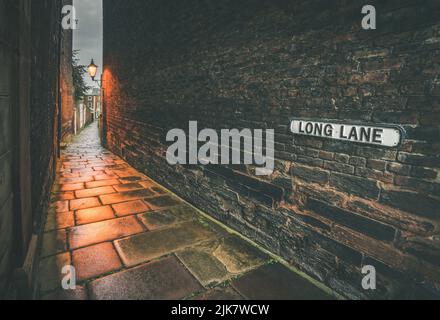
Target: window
x=89 y=98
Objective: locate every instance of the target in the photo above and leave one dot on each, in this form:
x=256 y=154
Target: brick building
x=34 y=52
x=331 y=207
x=93 y=102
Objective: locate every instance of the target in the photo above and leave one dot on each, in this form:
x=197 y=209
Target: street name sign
x=383 y=135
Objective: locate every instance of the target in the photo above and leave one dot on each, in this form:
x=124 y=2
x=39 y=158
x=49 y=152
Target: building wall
x=45 y=99
x=67 y=89
x=330 y=207
x=8 y=94
x=95 y=102
x=29 y=106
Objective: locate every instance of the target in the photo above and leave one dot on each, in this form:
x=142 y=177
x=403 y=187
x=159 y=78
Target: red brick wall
x=68 y=101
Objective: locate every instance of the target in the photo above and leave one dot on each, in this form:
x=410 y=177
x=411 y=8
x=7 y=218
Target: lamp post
x=92 y=69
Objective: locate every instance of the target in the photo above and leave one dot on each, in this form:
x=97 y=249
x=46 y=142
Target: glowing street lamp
x=92 y=69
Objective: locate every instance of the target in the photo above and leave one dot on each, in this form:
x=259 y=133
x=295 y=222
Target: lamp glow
x=92 y=69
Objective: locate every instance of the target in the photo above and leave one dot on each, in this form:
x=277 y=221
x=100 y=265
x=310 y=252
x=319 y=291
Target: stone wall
x=29 y=107
x=66 y=78
x=8 y=94
x=45 y=99
x=330 y=207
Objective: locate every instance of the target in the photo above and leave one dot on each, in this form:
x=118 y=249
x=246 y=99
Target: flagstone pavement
x=128 y=238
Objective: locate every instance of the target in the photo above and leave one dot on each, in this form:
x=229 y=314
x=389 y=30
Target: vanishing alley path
x=128 y=238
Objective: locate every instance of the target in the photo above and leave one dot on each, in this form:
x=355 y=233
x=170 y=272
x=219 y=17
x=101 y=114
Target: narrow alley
x=219 y=149
x=128 y=238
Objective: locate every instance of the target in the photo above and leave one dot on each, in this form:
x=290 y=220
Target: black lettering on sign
x=341 y=134
x=385 y=135
x=365 y=134
x=377 y=135
x=353 y=134
x=328 y=130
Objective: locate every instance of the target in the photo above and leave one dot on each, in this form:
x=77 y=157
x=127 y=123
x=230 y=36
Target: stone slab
x=165 y=279
x=154 y=244
x=204 y=266
x=159 y=219
x=93 y=192
x=276 y=282
x=96 y=214
x=130 y=207
x=125 y=196
x=53 y=242
x=161 y=202
x=96 y=260
x=60 y=220
x=103 y=231
x=216 y=261
x=84 y=203
x=50 y=272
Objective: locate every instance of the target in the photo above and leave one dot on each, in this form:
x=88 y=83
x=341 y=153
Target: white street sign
x=388 y=136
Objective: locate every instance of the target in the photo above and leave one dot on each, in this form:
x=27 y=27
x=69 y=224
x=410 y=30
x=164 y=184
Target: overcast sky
x=88 y=35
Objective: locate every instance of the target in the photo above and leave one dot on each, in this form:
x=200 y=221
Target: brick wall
x=68 y=101
x=7 y=96
x=46 y=35
x=29 y=99
x=330 y=207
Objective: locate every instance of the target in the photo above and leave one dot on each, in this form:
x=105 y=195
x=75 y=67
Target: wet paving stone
x=125 y=196
x=62 y=196
x=216 y=261
x=130 y=207
x=103 y=231
x=86 y=193
x=94 y=215
x=105 y=177
x=164 y=279
x=158 y=219
x=162 y=202
x=60 y=220
x=158 y=190
x=238 y=255
x=129 y=175
x=75 y=180
x=276 y=282
x=60 y=206
x=128 y=187
x=95 y=260
x=204 y=266
x=101 y=183
x=71 y=187
x=147 y=183
x=84 y=203
x=50 y=272
x=53 y=242
x=154 y=244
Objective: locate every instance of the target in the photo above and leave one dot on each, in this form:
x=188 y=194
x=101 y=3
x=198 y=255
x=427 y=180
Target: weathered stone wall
x=29 y=50
x=7 y=95
x=66 y=78
x=45 y=105
x=330 y=207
